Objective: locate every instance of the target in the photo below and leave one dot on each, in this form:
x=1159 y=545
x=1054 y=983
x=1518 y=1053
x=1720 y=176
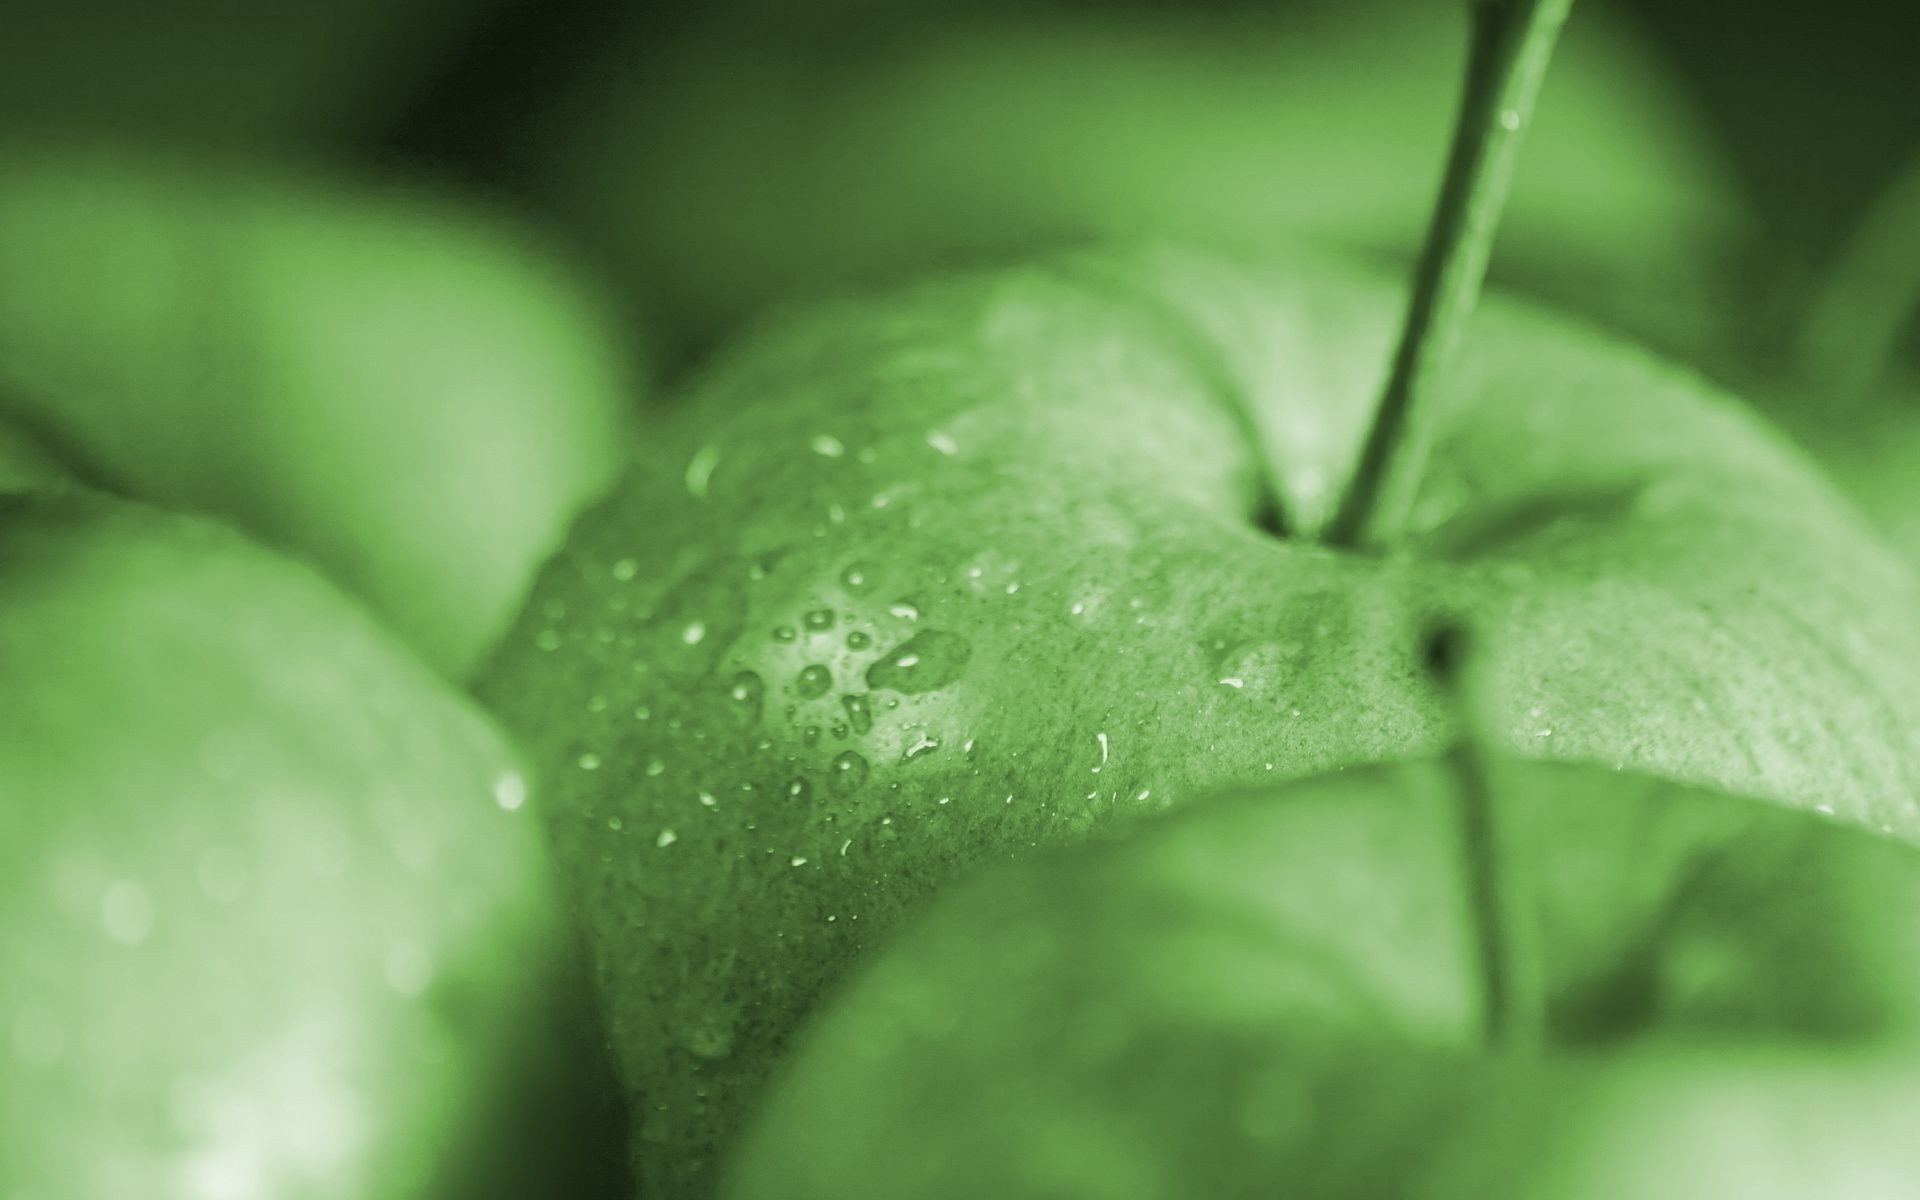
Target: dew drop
x=785 y=633
x=923 y=745
x=858 y=640
x=858 y=713
x=1233 y=681
x=667 y=838
x=510 y=791
x=856 y=576
x=799 y=789
x=905 y=611
x=814 y=681
x=655 y=768
x=616 y=824
x=589 y=761
x=942 y=443
x=706 y=1039
x=1509 y=119
x=828 y=446
x=929 y=660
x=847 y=773
x=746 y=693
x=547 y=640
x=819 y=620
x=642 y=713
x=694 y=633
x=797 y=861
x=810 y=736
x=626 y=569
x=707 y=800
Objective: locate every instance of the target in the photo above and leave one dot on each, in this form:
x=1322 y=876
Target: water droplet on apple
x=710 y=1040
x=819 y=620
x=655 y=768
x=799 y=789
x=616 y=824
x=510 y=791
x=942 y=443
x=785 y=633
x=810 y=736
x=921 y=745
x=814 y=681
x=847 y=773
x=666 y=838
x=905 y=611
x=858 y=640
x=858 y=713
x=856 y=577
x=589 y=761
x=929 y=660
x=693 y=632
x=828 y=446
x=746 y=692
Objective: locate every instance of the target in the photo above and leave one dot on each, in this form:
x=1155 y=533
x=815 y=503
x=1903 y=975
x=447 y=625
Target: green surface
x=266 y=929
x=794 y=153
x=409 y=393
x=989 y=564
x=1278 y=993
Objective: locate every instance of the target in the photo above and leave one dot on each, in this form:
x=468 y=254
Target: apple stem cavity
x=1513 y=1003
x=1510 y=44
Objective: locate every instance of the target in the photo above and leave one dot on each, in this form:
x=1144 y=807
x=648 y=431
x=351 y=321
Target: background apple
x=223 y=72
x=986 y=564
x=272 y=919
x=1282 y=993
x=760 y=155
x=410 y=393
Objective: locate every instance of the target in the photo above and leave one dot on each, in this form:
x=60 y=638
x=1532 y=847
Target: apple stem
x=1513 y=992
x=1510 y=44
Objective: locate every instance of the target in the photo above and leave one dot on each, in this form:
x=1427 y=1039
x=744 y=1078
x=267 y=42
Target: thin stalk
x=1511 y=43
x=1499 y=902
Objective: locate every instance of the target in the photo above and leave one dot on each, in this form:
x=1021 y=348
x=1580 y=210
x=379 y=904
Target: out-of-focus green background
x=392 y=285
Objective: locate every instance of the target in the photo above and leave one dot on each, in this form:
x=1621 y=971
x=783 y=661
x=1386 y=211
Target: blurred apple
x=273 y=919
x=1294 y=992
x=754 y=161
x=222 y=72
x=406 y=391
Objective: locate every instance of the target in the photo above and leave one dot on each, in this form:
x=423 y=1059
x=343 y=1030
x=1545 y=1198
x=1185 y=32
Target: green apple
x=761 y=161
x=1282 y=993
x=214 y=72
x=274 y=916
x=25 y=463
x=991 y=562
x=406 y=392
x=1871 y=448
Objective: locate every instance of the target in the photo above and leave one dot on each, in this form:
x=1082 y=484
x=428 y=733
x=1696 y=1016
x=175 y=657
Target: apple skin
x=1278 y=993
x=265 y=927
x=408 y=392
x=844 y=145
x=1043 y=487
